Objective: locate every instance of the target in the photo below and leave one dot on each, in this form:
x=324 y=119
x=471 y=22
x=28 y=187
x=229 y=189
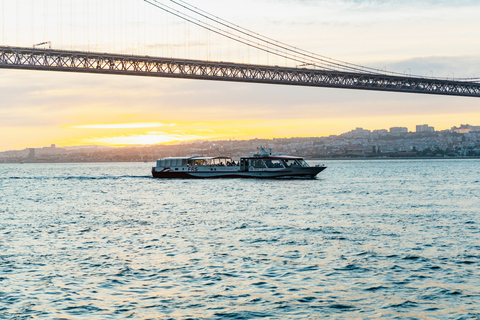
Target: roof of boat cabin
x=272 y=157
x=195 y=158
x=174 y=158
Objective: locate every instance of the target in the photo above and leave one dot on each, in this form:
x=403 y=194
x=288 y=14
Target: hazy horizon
x=213 y=140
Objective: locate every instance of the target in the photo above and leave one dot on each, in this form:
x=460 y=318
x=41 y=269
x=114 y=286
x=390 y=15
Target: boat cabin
x=274 y=162
x=194 y=163
x=245 y=163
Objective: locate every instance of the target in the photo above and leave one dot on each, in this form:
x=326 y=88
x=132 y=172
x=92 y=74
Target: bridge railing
x=76 y=61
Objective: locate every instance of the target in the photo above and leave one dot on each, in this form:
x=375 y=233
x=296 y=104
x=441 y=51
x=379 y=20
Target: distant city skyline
x=463 y=141
x=358 y=131
x=463 y=128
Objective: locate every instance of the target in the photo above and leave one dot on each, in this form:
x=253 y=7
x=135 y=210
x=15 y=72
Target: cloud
x=375 y=3
x=454 y=67
x=141 y=139
x=122 y=125
x=410 y=37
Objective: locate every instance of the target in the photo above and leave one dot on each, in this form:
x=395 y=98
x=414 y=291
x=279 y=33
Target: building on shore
x=31 y=154
x=465 y=128
x=424 y=128
x=399 y=130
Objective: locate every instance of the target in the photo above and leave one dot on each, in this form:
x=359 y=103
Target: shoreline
x=308 y=159
x=394 y=158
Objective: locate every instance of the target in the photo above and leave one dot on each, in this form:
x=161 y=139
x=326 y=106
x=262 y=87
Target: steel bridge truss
x=74 y=61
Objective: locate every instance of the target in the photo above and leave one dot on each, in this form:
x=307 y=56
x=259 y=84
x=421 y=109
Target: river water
x=366 y=239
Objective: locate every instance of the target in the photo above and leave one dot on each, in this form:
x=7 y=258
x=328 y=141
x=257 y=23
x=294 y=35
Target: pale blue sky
x=438 y=38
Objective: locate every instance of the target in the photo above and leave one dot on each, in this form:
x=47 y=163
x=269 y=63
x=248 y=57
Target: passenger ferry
x=260 y=165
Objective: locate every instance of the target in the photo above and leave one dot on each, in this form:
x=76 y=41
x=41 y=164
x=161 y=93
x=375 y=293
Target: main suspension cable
x=265 y=44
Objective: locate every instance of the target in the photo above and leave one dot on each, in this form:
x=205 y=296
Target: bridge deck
x=74 y=61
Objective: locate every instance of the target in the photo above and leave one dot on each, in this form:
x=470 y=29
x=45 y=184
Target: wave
x=77 y=177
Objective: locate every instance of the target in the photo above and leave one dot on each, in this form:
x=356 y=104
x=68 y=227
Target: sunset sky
x=436 y=37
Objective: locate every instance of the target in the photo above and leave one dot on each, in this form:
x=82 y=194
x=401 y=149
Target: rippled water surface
x=367 y=239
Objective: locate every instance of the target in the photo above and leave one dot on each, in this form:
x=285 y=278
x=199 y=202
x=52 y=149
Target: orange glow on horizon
x=140 y=132
x=140 y=139
x=137 y=133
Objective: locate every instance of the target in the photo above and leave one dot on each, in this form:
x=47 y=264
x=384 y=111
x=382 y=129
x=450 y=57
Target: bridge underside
x=72 y=61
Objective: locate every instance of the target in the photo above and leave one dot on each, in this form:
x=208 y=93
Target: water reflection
x=368 y=239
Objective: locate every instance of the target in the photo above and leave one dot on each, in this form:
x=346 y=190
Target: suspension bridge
x=306 y=69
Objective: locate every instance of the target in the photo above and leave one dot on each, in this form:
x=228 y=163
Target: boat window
x=303 y=163
x=243 y=163
x=291 y=163
x=199 y=162
x=257 y=163
x=220 y=162
x=167 y=163
x=273 y=163
x=217 y=162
